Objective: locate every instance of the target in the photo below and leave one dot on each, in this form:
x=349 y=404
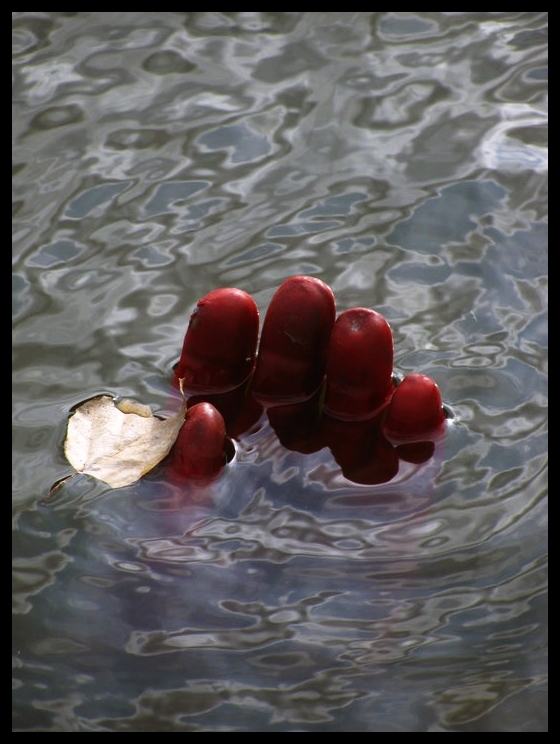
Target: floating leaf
x=118 y=442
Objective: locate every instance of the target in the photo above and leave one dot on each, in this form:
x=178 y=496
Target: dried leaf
x=118 y=442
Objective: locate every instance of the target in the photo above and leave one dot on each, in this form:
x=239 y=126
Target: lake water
x=402 y=159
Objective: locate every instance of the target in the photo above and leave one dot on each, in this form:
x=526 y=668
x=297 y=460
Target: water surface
x=399 y=157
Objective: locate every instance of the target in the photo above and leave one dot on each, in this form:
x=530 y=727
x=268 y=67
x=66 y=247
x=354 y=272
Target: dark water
x=402 y=159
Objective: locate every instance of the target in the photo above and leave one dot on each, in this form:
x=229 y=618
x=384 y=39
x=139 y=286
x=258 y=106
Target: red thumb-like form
x=220 y=345
x=200 y=450
x=415 y=411
x=294 y=339
x=359 y=365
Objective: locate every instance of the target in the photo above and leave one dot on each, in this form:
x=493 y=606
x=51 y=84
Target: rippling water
x=401 y=158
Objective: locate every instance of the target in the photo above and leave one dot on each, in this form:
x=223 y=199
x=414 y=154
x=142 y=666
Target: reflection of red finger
x=378 y=465
x=347 y=439
x=415 y=411
x=361 y=450
x=238 y=408
x=416 y=452
x=201 y=448
x=293 y=345
x=297 y=425
x=219 y=348
x=359 y=364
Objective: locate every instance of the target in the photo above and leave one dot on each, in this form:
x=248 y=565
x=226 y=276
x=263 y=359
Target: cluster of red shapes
x=323 y=380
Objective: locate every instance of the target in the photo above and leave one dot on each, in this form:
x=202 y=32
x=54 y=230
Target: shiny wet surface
x=402 y=159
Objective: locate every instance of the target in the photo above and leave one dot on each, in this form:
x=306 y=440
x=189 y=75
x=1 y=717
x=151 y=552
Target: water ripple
x=402 y=157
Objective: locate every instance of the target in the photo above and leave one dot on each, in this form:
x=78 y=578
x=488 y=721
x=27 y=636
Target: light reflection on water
x=401 y=158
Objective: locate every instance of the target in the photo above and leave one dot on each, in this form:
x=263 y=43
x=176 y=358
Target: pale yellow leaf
x=118 y=442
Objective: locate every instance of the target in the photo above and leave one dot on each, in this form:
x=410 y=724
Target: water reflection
x=401 y=158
